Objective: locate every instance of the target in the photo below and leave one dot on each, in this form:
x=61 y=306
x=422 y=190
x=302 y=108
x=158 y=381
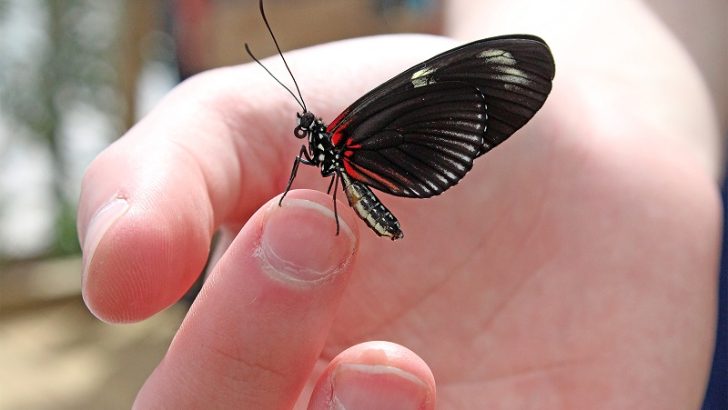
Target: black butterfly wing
x=417 y=134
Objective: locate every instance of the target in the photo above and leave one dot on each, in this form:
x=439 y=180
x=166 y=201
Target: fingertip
x=375 y=374
x=299 y=239
x=343 y=210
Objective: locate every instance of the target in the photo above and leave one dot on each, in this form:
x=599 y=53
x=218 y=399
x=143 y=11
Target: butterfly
x=417 y=134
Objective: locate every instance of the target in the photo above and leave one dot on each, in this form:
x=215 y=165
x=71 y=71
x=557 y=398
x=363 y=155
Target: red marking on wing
x=339 y=140
x=351 y=171
x=336 y=138
x=336 y=129
x=362 y=174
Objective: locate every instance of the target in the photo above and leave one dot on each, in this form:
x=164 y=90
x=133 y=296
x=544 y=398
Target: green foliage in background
x=63 y=62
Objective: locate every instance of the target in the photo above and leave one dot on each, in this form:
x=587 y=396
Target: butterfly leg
x=334 y=183
x=331 y=184
x=302 y=158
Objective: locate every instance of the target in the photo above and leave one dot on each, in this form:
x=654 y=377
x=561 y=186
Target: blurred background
x=74 y=76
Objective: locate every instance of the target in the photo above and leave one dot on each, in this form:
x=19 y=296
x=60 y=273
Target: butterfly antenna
x=275 y=41
x=250 y=53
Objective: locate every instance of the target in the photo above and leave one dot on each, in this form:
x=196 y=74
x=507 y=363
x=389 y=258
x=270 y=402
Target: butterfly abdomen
x=370 y=209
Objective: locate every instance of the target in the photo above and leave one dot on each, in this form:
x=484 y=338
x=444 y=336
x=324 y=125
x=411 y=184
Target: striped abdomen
x=370 y=209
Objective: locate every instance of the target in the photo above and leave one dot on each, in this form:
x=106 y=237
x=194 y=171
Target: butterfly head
x=305 y=123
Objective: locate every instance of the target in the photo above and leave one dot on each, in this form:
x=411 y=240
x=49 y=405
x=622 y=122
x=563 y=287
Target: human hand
x=546 y=276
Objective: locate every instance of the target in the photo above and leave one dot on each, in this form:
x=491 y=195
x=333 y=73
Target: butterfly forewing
x=417 y=134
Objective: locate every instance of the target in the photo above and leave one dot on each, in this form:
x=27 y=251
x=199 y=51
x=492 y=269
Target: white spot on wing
x=510 y=71
x=422 y=77
x=505 y=64
x=499 y=56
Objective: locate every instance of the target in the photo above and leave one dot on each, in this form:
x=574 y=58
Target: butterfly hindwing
x=417 y=134
x=427 y=144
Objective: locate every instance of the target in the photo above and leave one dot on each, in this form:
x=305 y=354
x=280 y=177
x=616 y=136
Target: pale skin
x=573 y=267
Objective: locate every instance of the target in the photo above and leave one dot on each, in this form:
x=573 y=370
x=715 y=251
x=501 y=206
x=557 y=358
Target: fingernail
x=360 y=386
x=299 y=242
x=100 y=223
